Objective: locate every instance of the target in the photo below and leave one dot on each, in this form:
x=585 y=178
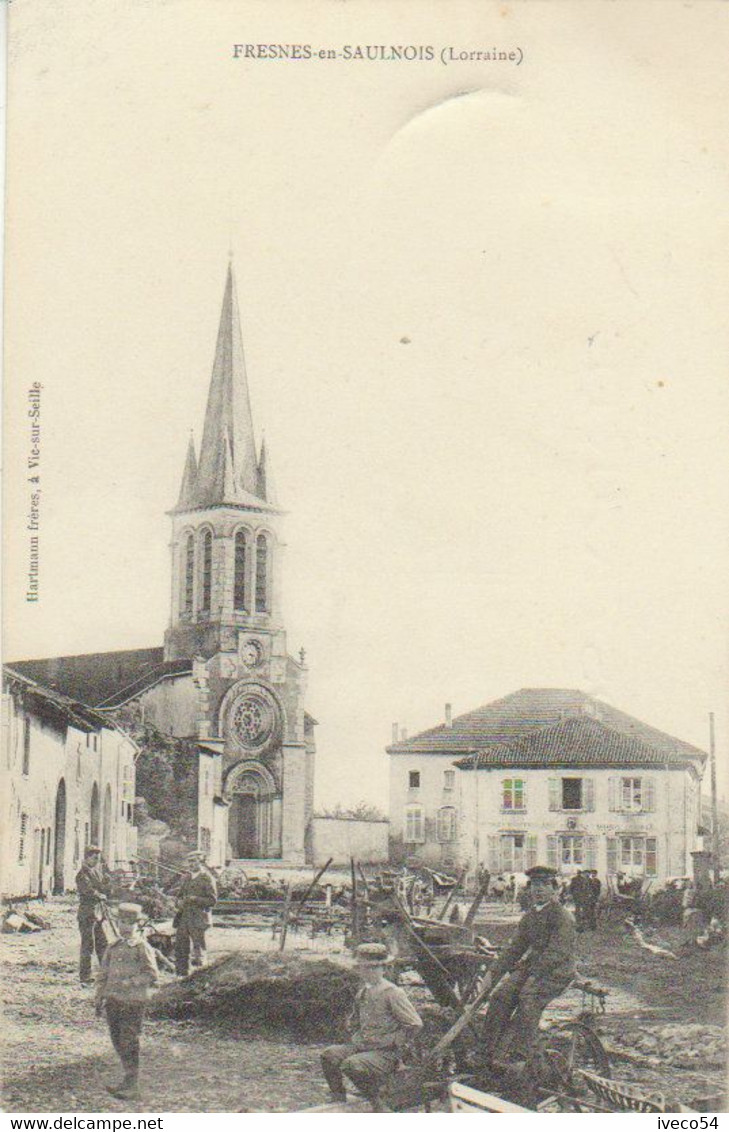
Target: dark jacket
x=93 y=888
x=196 y=897
x=543 y=947
x=128 y=971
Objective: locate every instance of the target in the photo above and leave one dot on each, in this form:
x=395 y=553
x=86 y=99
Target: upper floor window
x=26 y=744
x=239 y=578
x=414 y=825
x=632 y=795
x=262 y=587
x=449 y=780
x=571 y=794
x=206 y=578
x=188 y=574
x=512 y=794
x=413 y=779
x=446 y=823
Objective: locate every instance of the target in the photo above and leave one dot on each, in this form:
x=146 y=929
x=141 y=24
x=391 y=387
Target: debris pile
x=23 y=920
x=306 y=996
x=682 y=1045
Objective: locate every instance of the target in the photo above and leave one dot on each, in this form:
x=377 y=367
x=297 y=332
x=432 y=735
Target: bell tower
x=226 y=538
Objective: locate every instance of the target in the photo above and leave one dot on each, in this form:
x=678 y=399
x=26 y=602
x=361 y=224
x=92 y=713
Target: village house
x=68 y=781
x=551 y=776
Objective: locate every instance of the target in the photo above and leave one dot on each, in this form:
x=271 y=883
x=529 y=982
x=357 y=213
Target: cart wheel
x=572 y=1047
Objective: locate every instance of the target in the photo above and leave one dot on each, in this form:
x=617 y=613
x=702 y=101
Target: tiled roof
x=53 y=704
x=97 y=679
x=550 y=726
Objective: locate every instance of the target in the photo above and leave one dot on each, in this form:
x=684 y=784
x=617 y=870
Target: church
x=223 y=680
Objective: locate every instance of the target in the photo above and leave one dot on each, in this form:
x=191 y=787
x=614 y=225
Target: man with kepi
x=196 y=899
x=93 y=889
x=536 y=966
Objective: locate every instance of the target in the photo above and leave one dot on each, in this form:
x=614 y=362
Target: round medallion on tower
x=251 y=653
x=254 y=719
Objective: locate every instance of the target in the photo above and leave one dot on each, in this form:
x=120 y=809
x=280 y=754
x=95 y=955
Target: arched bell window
x=188 y=574
x=240 y=566
x=206 y=572
x=263 y=597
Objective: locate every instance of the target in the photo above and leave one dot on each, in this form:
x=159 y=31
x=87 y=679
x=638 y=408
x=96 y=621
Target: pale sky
x=484 y=316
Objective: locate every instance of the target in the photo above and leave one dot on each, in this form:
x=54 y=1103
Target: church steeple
x=228 y=468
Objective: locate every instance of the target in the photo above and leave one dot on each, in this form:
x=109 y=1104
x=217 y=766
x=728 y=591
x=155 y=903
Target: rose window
x=253 y=720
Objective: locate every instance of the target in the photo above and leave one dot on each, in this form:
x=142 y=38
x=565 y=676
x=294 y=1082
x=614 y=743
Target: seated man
x=382 y=1022
x=538 y=964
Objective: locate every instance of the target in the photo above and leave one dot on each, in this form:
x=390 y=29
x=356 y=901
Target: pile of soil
x=308 y=997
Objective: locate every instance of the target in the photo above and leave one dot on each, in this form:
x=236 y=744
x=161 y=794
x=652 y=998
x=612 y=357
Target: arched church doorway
x=251 y=817
x=94 y=817
x=59 y=840
x=106 y=827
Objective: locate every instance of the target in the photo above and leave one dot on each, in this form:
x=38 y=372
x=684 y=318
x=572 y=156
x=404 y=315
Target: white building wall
x=40 y=854
x=501 y=837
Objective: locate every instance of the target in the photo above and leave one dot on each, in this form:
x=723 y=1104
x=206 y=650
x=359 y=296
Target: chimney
x=395 y=732
x=403 y=733
x=448 y=716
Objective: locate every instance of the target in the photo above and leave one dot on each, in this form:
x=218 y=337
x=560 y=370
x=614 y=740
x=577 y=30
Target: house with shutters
x=547 y=775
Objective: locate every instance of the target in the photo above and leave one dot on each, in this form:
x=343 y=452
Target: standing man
x=93 y=891
x=128 y=973
x=581 y=891
x=535 y=967
x=595 y=890
x=382 y=1022
x=196 y=899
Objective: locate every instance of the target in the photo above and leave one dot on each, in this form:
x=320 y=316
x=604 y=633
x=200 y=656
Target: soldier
x=538 y=964
x=128 y=972
x=383 y=1020
x=196 y=898
x=582 y=893
x=93 y=890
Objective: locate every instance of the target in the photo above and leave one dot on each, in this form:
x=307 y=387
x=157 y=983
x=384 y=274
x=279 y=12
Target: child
x=128 y=972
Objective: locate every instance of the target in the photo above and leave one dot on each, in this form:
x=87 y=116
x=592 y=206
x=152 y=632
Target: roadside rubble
x=23 y=920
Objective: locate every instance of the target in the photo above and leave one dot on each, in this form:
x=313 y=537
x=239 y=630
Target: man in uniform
x=93 y=890
x=537 y=965
x=383 y=1021
x=582 y=892
x=196 y=898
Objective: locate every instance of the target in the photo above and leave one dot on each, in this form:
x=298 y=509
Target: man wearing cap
x=196 y=898
x=128 y=972
x=93 y=890
x=537 y=965
x=382 y=1022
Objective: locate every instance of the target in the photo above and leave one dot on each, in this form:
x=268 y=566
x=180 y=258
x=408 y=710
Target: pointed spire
x=228 y=420
x=187 y=488
x=266 y=483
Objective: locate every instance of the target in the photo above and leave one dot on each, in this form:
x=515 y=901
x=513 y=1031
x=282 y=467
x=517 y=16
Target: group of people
x=128 y=965
x=537 y=965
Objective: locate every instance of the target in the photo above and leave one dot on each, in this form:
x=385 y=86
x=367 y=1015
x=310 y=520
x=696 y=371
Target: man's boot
x=128 y=1089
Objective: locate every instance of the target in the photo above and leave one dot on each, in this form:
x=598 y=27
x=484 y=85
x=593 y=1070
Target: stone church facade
x=224 y=675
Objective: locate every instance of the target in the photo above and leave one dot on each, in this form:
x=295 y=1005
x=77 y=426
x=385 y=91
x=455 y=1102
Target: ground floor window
x=446 y=824
x=568 y=852
x=512 y=852
x=636 y=856
x=414 y=825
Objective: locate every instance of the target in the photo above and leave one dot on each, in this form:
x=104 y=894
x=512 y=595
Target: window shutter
x=591 y=852
x=523 y=794
x=552 y=849
x=612 y=794
x=493 y=848
x=554 y=798
x=612 y=854
x=649 y=795
x=589 y=794
x=651 y=856
x=531 y=850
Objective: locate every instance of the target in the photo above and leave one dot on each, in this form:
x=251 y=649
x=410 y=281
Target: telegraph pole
x=714 y=807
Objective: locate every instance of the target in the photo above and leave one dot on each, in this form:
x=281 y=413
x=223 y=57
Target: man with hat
x=93 y=890
x=582 y=892
x=128 y=972
x=536 y=966
x=382 y=1022
x=196 y=899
